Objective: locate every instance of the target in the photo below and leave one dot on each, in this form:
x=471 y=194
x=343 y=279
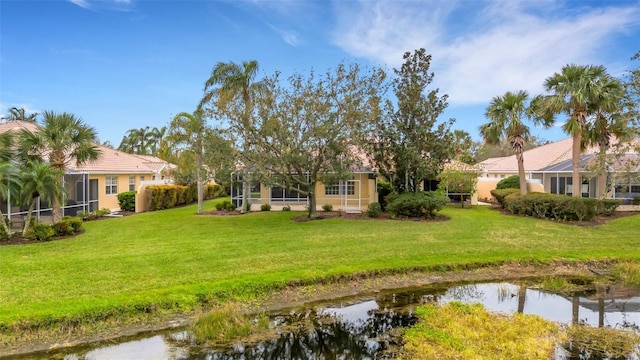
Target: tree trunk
x=27 y=221
x=602 y=176
x=199 y=181
x=313 y=213
x=575 y=161
x=246 y=189
x=575 y=309
x=522 y=297
x=56 y=210
x=521 y=174
x=4 y=224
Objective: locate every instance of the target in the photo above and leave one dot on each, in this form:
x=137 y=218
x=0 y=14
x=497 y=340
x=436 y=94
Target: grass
x=460 y=331
x=226 y=323
x=176 y=261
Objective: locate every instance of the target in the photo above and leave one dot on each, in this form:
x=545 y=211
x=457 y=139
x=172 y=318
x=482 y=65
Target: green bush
x=127 y=200
x=558 y=207
x=87 y=216
x=40 y=232
x=635 y=200
x=417 y=205
x=374 y=210
x=286 y=208
x=225 y=205
x=74 y=221
x=608 y=207
x=511 y=182
x=384 y=189
x=265 y=207
x=63 y=228
x=500 y=194
x=327 y=207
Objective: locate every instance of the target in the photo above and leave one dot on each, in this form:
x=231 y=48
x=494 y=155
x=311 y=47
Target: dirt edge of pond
x=295 y=296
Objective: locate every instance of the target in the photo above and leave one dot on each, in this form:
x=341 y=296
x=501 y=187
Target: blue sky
x=122 y=64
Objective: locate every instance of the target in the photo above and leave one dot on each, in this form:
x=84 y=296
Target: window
x=561 y=185
x=132 y=183
x=111 y=185
x=142 y=178
x=348 y=188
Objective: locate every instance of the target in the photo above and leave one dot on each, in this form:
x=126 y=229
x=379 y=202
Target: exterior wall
x=111 y=201
x=143 y=201
x=365 y=192
x=485 y=185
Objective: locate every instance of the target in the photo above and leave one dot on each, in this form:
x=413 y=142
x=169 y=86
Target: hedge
x=558 y=207
x=169 y=196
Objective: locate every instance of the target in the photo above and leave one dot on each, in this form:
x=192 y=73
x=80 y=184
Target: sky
x=124 y=64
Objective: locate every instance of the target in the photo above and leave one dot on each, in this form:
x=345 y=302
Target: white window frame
x=132 y=182
x=111 y=185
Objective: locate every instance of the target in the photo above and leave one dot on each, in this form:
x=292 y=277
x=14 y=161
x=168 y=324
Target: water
x=361 y=327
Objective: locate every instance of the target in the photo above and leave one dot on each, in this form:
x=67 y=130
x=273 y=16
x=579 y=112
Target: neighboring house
x=353 y=195
x=94 y=185
x=548 y=168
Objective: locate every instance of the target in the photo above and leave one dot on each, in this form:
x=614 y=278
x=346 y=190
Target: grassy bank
x=176 y=260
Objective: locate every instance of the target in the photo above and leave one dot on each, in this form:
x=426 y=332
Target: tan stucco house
x=94 y=185
x=548 y=168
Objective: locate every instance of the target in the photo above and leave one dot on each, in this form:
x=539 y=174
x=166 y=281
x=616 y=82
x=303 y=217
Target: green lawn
x=174 y=259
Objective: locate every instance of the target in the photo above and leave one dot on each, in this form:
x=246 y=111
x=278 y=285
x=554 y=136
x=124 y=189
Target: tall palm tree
x=607 y=122
x=233 y=83
x=573 y=92
x=19 y=114
x=8 y=188
x=63 y=140
x=506 y=114
x=39 y=180
x=189 y=130
x=157 y=137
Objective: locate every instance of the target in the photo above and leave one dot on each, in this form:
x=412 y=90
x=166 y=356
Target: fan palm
x=63 y=140
x=39 y=180
x=234 y=83
x=574 y=92
x=506 y=114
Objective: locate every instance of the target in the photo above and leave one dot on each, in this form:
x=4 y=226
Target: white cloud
x=290 y=37
x=103 y=4
x=505 y=46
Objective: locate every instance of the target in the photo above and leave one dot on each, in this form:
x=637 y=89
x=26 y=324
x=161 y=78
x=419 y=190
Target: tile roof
x=534 y=159
x=111 y=161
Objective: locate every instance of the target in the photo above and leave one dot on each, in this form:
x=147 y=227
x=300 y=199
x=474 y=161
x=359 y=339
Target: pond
x=362 y=327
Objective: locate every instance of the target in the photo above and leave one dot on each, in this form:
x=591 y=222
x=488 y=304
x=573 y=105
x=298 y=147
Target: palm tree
x=157 y=137
x=607 y=123
x=189 y=130
x=63 y=140
x=232 y=83
x=19 y=114
x=506 y=114
x=39 y=180
x=574 y=91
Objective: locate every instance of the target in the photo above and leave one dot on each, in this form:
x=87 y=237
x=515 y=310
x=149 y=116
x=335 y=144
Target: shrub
x=384 y=189
x=500 y=194
x=225 y=205
x=74 y=221
x=63 y=228
x=40 y=232
x=127 y=201
x=635 y=200
x=286 y=208
x=608 y=207
x=327 y=207
x=374 y=210
x=265 y=207
x=418 y=205
x=511 y=182
x=559 y=207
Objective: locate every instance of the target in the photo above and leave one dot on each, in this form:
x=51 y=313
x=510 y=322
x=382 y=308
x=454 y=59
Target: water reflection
x=359 y=327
